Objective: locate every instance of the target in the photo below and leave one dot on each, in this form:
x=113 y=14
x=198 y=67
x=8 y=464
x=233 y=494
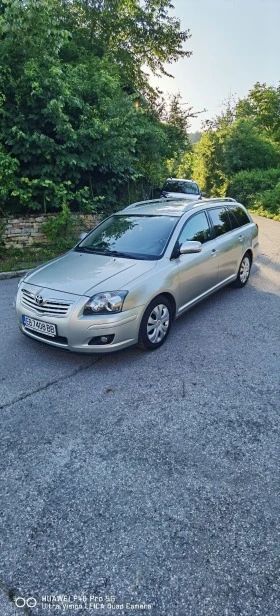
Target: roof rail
x=138 y=203
x=220 y=199
x=161 y=200
x=186 y=201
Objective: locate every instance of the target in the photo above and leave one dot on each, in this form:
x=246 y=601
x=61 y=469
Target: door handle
x=241 y=238
x=214 y=252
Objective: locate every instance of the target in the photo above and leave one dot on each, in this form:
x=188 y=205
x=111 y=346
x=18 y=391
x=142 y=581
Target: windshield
x=188 y=188
x=134 y=237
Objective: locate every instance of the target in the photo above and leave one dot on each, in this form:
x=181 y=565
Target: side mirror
x=190 y=247
x=203 y=194
x=82 y=235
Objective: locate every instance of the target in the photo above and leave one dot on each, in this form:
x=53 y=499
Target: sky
x=235 y=43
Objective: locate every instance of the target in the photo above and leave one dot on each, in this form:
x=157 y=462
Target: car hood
x=178 y=195
x=81 y=273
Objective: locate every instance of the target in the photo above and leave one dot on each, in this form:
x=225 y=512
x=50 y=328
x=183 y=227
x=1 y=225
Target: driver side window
x=196 y=229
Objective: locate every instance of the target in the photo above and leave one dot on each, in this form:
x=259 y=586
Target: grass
x=12 y=259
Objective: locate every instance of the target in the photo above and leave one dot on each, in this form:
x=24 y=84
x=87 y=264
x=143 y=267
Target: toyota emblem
x=39 y=300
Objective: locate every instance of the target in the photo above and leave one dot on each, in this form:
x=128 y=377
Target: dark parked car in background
x=179 y=188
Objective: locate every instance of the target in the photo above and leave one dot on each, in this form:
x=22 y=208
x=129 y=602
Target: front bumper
x=76 y=331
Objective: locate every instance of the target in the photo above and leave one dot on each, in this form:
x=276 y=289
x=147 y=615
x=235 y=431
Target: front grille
x=59 y=339
x=51 y=307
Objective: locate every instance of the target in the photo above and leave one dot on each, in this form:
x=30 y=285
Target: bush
x=245 y=186
x=269 y=201
x=244 y=149
x=62 y=230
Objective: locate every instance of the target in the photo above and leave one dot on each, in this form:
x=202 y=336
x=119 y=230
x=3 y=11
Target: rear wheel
x=243 y=272
x=155 y=324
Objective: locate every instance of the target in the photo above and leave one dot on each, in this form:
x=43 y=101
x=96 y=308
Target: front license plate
x=39 y=326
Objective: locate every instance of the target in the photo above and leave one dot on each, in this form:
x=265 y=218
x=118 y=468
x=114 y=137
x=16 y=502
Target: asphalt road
x=146 y=478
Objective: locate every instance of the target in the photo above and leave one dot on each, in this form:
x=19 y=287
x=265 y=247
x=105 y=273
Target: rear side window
x=233 y=220
x=220 y=220
x=239 y=215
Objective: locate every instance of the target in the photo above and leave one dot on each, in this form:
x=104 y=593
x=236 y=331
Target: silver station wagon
x=131 y=276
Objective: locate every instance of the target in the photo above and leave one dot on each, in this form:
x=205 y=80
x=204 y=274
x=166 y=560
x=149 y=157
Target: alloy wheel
x=245 y=269
x=158 y=323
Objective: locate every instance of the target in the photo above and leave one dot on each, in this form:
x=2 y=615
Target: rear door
x=229 y=242
x=248 y=230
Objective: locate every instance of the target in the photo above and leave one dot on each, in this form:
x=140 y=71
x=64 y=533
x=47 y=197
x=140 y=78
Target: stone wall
x=21 y=232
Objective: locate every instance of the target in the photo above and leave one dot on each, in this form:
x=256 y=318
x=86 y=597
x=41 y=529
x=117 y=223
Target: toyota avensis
x=136 y=272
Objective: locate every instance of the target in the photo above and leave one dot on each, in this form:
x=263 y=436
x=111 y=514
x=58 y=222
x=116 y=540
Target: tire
x=155 y=325
x=243 y=272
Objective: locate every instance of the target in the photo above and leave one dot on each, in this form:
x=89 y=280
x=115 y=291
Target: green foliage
x=269 y=201
x=262 y=107
x=132 y=33
x=176 y=123
x=62 y=230
x=245 y=185
x=208 y=168
x=222 y=155
x=245 y=149
x=26 y=258
x=8 y=168
x=225 y=118
x=183 y=168
x=78 y=120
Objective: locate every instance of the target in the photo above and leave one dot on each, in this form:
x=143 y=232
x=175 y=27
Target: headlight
x=104 y=303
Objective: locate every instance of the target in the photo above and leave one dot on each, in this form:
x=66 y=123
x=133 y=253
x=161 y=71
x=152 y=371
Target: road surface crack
x=47 y=385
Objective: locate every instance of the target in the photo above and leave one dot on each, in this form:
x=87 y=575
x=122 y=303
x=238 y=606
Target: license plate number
x=39 y=326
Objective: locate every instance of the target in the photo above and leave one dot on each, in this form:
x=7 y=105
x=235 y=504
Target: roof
x=180 y=180
x=170 y=206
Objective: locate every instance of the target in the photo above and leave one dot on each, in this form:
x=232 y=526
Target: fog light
x=101 y=340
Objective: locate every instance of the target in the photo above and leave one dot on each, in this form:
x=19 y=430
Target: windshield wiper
x=115 y=253
x=126 y=255
x=88 y=249
x=104 y=251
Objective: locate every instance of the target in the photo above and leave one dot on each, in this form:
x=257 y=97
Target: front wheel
x=155 y=324
x=243 y=272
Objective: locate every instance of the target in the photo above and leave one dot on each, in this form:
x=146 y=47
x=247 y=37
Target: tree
x=262 y=108
x=184 y=167
x=134 y=33
x=208 y=163
x=177 y=121
x=74 y=123
x=226 y=118
x=63 y=124
x=245 y=186
x=245 y=149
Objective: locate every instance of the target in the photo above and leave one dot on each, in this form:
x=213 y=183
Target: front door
x=198 y=273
